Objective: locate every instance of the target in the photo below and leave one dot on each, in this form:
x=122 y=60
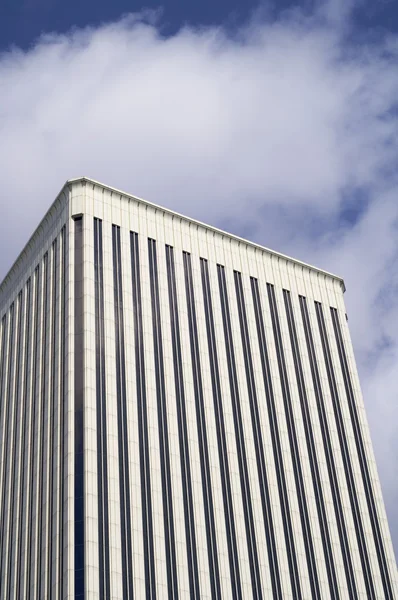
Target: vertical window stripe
x=328 y=447
x=26 y=415
x=276 y=443
x=239 y=436
x=258 y=440
x=6 y=448
x=311 y=448
x=13 y=457
x=102 y=451
x=294 y=449
x=3 y=355
x=378 y=538
x=146 y=498
x=51 y=416
x=124 y=473
x=168 y=518
x=221 y=434
x=32 y=521
x=3 y=412
x=18 y=433
x=3 y=404
x=190 y=534
x=62 y=416
x=202 y=431
x=360 y=534
x=79 y=551
x=43 y=486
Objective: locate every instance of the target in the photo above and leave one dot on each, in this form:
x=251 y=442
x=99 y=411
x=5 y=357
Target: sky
x=277 y=122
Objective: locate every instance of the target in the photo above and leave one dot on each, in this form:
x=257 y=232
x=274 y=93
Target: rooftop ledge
x=88 y=180
x=210 y=227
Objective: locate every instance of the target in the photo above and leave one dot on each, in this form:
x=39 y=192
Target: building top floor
x=86 y=196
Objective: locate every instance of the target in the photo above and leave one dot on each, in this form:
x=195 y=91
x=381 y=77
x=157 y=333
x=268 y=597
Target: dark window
x=360 y=534
x=3 y=403
x=62 y=415
x=221 y=435
x=327 y=444
x=102 y=446
x=312 y=455
x=79 y=411
x=6 y=449
x=298 y=476
x=45 y=415
x=367 y=483
x=3 y=357
x=202 y=431
x=258 y=439
x=25 y=414
x=190 y=535
x=3 y=412
x=167 y=494
x=146 y=498
x=51 y=414
x=276 y=443
x=239 y=436
x=15 y=453
x=42 y=453
x=32 y=521
x=124 y=475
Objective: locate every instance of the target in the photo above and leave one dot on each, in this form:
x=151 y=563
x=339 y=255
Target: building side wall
x=191 y=504
x=33 y=415
x=368 y=447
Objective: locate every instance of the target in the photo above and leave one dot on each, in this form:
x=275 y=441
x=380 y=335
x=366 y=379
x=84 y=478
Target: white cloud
x=272 y=130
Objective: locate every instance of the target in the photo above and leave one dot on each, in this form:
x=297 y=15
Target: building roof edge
x=89 y=180
x=211 y=227
x=19 y=258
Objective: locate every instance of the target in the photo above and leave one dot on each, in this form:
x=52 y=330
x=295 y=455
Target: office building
x=180 y=417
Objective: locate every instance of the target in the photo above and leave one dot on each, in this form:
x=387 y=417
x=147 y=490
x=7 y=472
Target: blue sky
x=278 y=122
x=23 y=21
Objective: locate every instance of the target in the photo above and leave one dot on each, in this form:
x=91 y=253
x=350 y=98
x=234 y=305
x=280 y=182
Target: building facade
x=180 y=417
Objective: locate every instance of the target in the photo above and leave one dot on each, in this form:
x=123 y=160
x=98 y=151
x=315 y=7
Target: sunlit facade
x=180 y=417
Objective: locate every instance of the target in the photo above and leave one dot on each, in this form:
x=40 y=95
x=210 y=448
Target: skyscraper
x=180 y=417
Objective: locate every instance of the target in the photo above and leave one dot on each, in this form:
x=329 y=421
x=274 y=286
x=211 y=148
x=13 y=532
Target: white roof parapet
x=82 y=179
x=211 y=228
x=26 y=252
